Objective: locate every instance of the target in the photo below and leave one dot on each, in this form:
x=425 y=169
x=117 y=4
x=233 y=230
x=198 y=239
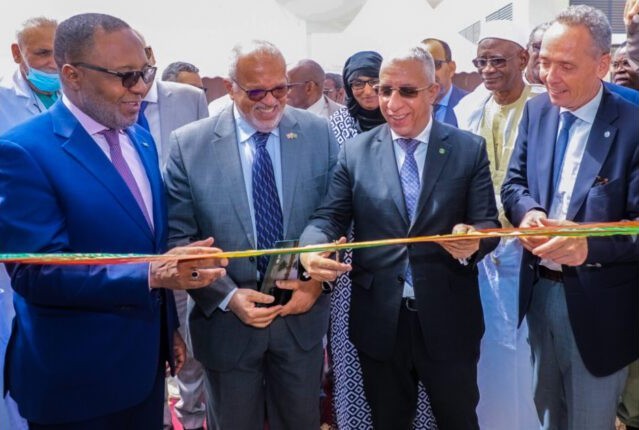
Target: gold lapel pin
x=291 y=135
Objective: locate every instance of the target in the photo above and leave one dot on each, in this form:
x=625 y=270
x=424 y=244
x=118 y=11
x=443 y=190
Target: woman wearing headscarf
x=361 y=113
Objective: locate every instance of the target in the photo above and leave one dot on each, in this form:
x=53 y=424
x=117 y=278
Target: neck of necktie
x=117 y=159
x=409 y=175
x=266 y=201
x=567 y=120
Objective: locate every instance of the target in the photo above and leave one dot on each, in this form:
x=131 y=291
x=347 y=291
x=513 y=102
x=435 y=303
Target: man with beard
x=90 y=343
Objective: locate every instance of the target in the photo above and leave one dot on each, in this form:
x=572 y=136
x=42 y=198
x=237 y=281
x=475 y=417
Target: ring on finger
x=195 y=275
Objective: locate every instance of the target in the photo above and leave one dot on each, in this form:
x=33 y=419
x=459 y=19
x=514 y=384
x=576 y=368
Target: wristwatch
x=327 y=287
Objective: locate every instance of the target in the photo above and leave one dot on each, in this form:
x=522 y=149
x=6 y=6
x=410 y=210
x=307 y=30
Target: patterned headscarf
x=363 y=63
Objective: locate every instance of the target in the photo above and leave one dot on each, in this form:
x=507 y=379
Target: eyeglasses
x=440 y=63
x=258 y=94
x=405 y=92
x=130 y=78
x=359 y=84
x=536 y=46
x=495 y=62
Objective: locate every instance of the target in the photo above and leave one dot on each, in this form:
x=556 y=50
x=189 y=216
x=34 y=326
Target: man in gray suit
x=415 y=310
x=249 y=176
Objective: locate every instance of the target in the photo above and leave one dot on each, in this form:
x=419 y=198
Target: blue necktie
x=142 y=118
x=266 y=202
x=409 y=175
x=567 y=120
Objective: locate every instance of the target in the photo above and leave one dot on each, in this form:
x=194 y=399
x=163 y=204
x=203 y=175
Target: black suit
x=456 y=188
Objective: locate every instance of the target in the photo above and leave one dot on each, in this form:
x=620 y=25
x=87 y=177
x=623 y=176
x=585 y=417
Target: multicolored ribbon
x=579 y=230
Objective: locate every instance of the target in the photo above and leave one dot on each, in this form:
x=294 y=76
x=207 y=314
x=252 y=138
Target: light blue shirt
x=246 y=148
x=577 y=139
x=420 y=158
x=440 y=114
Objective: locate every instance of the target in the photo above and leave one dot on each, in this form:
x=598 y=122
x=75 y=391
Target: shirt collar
x=587 y=112
x=446 y=98
x=89 y=124
x=244 y=129
x=422 y=137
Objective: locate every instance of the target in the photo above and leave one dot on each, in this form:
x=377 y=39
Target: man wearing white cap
x=493 y=111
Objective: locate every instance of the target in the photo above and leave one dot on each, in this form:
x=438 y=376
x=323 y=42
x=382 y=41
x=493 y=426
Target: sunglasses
x=258 y=94
x=405 y=92
x=359 y=84
x=495 y=62
x=129 y=79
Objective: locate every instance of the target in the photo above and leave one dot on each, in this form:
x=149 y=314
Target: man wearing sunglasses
x=252 y=175
x=493 y=111
x=306 y=80
x=415 y=310
x=449 y=94
x=90 y=344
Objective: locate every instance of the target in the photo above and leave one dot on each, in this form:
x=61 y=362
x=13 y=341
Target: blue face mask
x=48 y=82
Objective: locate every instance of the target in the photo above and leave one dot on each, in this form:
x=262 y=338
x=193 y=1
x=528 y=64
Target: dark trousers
x=146 y=415
x=391 y=386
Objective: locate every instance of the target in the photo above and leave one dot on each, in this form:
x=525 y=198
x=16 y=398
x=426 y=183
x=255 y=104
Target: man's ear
x=452 y=67
x=15 y=53
x=71 y=76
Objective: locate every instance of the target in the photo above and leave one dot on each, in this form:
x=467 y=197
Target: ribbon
x=578 y=230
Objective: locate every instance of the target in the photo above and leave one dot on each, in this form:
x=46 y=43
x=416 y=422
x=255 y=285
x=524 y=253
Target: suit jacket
x=19 y=103
x=86 y=339
x=627 y=93
x=601 y=295
x=456 y=188
x=455 y=96
x=178 y=104
x=207 y=197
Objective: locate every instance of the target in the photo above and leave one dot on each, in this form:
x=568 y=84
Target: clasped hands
x=570 y=251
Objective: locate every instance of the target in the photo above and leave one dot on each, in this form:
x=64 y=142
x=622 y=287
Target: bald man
x=306 y=80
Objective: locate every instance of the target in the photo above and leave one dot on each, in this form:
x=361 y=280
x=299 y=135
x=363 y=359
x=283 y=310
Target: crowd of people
x=99 y=155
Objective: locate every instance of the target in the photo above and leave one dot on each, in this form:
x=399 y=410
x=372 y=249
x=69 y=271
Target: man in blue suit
x=449 y=94
x=576 y=159
x=415 y=310
x=89 y=344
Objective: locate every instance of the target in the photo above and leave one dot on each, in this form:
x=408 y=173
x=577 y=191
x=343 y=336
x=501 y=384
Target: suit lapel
x=436 y=156
x=600 y=139
x=164 y=114
x=86 y=152
x=226 y=156
x=544 y=150
x=382 y=150
x=292 y=144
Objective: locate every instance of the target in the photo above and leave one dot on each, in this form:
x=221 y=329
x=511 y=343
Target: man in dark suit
x=577 y=160
x=252 y=175
x=89 y=344
x=449 y=94
x=415 y=311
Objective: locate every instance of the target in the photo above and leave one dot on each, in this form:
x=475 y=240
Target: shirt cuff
x=224 y=305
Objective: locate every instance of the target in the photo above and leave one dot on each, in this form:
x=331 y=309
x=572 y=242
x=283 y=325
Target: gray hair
x=337 y=79
x=416 y=53
x=250 y=48
x=594 y=20
x=75 y=36
x=32 y=23
x=174 y=69
x=539 y=27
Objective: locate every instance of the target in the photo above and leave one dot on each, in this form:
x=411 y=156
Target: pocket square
x=600 y=180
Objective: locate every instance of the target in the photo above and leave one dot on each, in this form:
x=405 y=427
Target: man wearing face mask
x=35 y=85
x=32 y=89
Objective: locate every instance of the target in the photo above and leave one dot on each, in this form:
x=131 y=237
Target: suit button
x=400 y=279
x=252 y=259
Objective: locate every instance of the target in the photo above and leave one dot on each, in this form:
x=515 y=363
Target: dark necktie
x=142 y=121
x=266 y=202
x=560 y=147
x=436 y=108
x=120 y=164
x=409 y=175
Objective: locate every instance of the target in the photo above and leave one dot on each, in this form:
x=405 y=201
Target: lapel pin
x=607 y=134
x=291 y=135
x=442 y=151
x=146 y=145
